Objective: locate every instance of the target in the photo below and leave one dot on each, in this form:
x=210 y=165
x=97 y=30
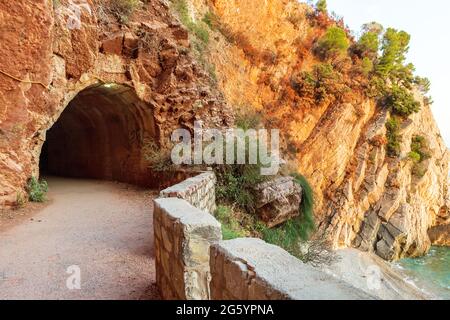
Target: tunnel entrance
x=100 y=135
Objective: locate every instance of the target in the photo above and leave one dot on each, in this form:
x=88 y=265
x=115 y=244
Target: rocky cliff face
x=49 y=56
x=364 y=198
x=258 y=50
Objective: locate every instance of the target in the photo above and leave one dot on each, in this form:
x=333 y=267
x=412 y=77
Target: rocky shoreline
x=381 y=279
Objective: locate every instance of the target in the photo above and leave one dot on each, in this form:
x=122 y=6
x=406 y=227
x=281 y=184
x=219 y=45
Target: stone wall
x=183 y=235
x=250 y=269
x=199 y=191
x=193 y=263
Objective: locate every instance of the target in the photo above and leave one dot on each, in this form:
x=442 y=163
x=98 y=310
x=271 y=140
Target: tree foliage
x=322 y=6
x=367 y=45
x=333 y=43
x=395 y=46
x=402 y=101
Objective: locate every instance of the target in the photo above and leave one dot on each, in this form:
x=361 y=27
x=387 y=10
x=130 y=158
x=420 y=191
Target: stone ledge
x=251 y=269
x=187 y=214
x=183 y=235
x=199 y=191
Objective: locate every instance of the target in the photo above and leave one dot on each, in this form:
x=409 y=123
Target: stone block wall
x=183 y=235
x=193 y=263
x=199 y=191
x=251 y=269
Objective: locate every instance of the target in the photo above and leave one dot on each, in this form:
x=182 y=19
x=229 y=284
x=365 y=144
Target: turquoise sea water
x=432 y=272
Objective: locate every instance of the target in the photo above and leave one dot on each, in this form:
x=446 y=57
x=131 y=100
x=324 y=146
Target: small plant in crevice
x=20 y=200
x=37 y=190
x=235 y=184
x=211 y=20
x=198 y=28
x=159 y=159
x=393 y=136
x=231 y=227
x=122 y=9
x=419 y=153
x=322 y=6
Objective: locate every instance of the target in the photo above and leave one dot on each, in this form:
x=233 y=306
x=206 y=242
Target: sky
x=428 y=23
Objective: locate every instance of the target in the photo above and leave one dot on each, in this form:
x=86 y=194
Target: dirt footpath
x=94 y=234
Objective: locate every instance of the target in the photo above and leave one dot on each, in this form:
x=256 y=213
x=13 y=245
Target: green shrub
x=393 y=137
x=367 y=46
x=322 y=6
x=419 y=147
x=200 y=32
x=235 y=184
x=366 y=66
x=210 y=19
x=306 y=224
x=37 y=190
x=414 y=156
x=423 y=84
x=199 y=29
x=231 y=228
x=333 y=43
x=402 y=101
x=395 y=46
x=123 y=9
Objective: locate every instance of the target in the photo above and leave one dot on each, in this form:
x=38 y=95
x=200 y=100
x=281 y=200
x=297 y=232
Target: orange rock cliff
x=253 y=60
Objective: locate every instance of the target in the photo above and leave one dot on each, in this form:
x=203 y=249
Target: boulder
x=278 y=200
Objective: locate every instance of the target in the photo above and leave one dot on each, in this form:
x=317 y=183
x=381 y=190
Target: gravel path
x=102 y=228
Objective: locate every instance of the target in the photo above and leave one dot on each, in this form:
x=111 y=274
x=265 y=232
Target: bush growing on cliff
x=322 y=6
x=306 y=223
x=402 y=101
x=366 y=66
x=235 y=182
x=420 y=152
x=37 y=190
x=414 y=156
x=333 y=43
x=395 y=46
x=393 y=137
x=419 y=146
x=322 y=83
x=197 y=28
x=231 y=228
x=367 y=46
x=123 y=9
x=423 y=84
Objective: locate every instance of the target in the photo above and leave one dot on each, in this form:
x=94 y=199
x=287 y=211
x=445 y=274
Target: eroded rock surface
x=363 y=197
x=55 y=60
